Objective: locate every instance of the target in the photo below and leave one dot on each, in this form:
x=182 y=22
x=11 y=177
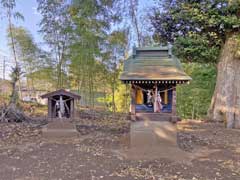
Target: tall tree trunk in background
x=59 y=76
x=113 y=93
x=133 y=14
x=14 y=97
x=14 y=94
x=60 y=59
x=225 y=104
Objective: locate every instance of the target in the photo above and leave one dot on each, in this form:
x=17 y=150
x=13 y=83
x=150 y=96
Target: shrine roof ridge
x=61 y=92
x=153 y=63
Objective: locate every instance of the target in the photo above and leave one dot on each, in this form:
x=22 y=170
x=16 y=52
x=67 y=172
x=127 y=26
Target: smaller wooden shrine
x=153 y=73
x=61 y=103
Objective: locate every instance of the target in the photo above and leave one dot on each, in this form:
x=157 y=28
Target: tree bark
x=225 y=105
x=14 y=95
x=133 y=12
x=14 y=90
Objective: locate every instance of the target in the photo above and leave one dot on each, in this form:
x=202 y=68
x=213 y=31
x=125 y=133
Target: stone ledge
x=59 y=129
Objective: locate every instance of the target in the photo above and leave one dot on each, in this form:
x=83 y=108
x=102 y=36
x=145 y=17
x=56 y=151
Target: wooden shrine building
x=61 y=103
x=153 y=73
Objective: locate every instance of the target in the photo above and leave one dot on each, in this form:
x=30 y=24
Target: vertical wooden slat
x=165 y=96
x=155 y=99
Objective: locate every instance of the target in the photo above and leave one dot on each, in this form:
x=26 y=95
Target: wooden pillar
x=49 y=108
x=174 y=102
x=133 y=102
x=72 y=109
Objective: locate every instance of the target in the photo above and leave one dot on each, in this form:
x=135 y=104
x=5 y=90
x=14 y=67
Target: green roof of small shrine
x=153 y=63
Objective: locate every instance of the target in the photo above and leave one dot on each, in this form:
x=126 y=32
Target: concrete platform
x=153 y=133
x=155 y=117
x=151 y=140
x=59 y=129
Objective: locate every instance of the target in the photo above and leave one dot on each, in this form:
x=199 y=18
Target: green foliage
x=122 y=99
x=95 y=50
x=193 y=99
x=195 y=48
x=85 y=71
x=42 y=79
x=26 y=49
x=9 y=6
x=116 y=49
x=34 y=61
x=55 y=28
x=199 y=28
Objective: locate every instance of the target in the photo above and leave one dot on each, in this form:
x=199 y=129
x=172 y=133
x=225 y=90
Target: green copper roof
x=153 y=64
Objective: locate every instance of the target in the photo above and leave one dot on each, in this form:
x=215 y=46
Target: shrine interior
x=143 y=104
x=67 y=106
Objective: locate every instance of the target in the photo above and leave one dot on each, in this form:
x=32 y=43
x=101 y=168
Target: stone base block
x=59 y=129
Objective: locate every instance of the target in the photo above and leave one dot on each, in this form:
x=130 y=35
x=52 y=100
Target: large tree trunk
x=225 y=104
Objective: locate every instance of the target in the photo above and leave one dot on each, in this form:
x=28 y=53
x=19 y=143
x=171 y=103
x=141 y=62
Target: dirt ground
x=26 y=155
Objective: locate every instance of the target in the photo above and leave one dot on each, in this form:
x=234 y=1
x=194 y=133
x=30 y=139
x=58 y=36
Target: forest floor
x=25 y=154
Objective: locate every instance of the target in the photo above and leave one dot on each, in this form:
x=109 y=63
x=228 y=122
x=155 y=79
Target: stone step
x=60 y=125
x=59 y=129
x=153 y=116
x=49 y=134
x=59 y=119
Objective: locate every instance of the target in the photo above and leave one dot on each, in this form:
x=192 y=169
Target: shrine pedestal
x=60 y=129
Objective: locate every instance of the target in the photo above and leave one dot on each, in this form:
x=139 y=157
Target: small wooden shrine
x=153 y=73
x=61 y=103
